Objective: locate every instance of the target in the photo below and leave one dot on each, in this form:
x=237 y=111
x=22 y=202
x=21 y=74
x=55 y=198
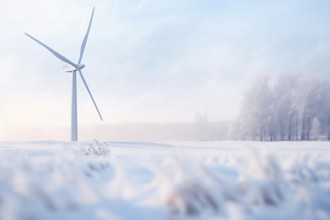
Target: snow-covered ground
x=184 y=180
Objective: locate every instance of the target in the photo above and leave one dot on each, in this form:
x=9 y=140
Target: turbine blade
x=58 y=55
x=90 y=94
x=86 y=37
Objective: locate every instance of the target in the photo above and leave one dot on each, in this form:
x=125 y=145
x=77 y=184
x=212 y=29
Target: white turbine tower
x=74 y=67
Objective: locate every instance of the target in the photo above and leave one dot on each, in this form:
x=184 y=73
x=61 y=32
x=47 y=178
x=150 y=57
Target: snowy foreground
x=149 y=181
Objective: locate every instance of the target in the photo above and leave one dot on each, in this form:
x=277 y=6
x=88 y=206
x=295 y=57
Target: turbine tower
x=73 y=68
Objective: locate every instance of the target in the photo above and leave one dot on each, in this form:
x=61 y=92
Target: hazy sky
x=151 y=61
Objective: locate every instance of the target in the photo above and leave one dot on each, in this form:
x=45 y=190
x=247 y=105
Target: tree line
x=288 y=107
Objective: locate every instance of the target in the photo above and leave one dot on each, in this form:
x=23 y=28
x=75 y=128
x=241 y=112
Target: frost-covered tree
x=202 y=126
x=320 y=106
x=255 y=120
x=315 y=132
x=284 y=108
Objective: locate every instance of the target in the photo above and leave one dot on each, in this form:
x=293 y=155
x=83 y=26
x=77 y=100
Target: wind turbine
x=73 y=68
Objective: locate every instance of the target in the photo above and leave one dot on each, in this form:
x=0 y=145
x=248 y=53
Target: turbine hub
x=80 y=66
x=70 y=68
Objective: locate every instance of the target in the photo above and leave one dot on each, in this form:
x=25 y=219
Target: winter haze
x=150 y=63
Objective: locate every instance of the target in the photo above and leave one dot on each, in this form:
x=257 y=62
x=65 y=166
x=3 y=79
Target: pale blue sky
x=152 y=61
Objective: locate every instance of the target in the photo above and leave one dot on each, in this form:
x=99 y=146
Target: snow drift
x=127 y=180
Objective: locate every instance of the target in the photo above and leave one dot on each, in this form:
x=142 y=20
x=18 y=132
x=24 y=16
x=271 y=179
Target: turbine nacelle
x=70 y=68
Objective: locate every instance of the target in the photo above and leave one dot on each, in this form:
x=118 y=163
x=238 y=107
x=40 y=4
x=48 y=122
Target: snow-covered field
x=141 y=180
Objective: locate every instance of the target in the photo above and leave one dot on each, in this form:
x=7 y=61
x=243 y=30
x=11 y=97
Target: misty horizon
x=134 y=131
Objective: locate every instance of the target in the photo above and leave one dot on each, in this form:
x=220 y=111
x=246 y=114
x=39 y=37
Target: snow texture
x=141 y=180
